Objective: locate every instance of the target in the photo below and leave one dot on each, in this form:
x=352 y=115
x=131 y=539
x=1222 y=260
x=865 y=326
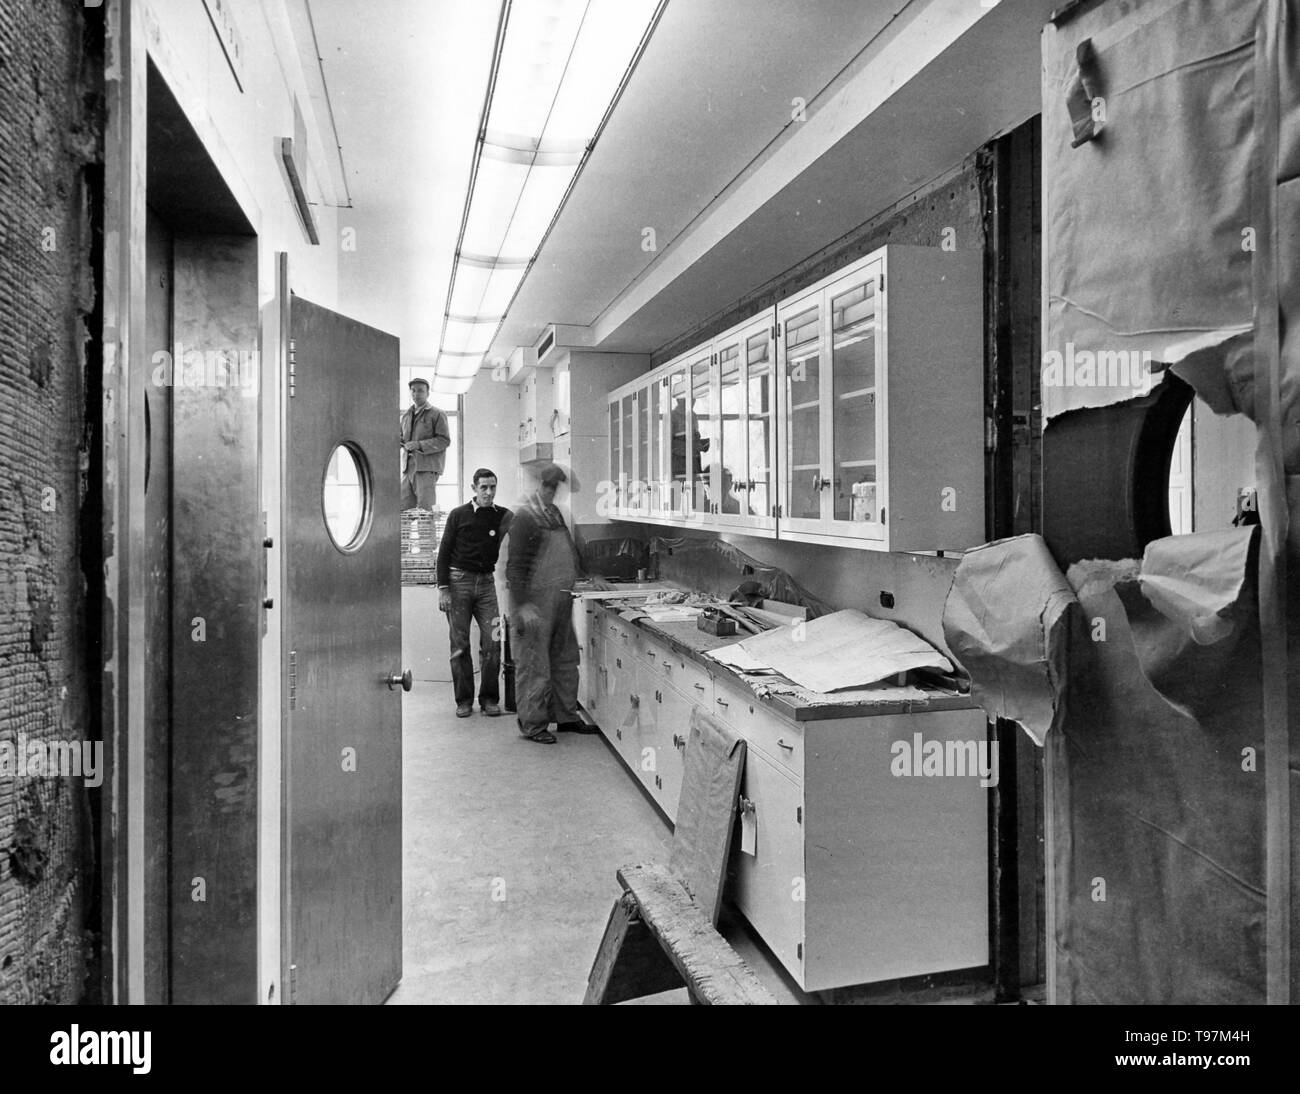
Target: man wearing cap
x=540 y=571
x=424 y=439
x=467 y=558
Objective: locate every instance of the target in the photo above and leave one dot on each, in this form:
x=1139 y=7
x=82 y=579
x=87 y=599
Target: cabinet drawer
x=664 y=661
x=780 y=740
x=693 y=681
x=616 y=632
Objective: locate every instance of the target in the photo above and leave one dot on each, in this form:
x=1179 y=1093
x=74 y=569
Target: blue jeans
x=474 y=595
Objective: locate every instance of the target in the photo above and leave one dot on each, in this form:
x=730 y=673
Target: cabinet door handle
x=668 y=664
x=698 y=687
x=722 y=702
x=780 y=743
x=679 y=741
x=821 y=484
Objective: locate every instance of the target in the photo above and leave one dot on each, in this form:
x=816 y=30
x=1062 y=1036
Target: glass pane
x=679 y=428
x=615 y=461
x=853 y=348
x=803 y=398
x=629 y=468
x=758 y=399
x=643 y=474
x=704 y=419
x=344 y=498
x=655 y=418
x=731 y=460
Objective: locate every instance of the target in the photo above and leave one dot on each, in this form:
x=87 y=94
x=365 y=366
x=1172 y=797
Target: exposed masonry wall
x=51 y=73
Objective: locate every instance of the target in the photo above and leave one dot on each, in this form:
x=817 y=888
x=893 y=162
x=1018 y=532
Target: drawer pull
x=722 y=702
x=668 y=664
x=780 y=743
x=698 y=687
x=636 y=700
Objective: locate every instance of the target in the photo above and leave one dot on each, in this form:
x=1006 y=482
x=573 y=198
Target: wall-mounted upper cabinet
x=851 y=414
x=537 y=415
x=694 y=441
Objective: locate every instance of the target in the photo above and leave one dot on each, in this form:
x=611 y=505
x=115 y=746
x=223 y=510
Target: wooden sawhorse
x=662 y=932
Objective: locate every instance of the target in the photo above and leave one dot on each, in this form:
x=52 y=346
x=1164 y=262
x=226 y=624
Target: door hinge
x=798 y=814
x=293 y=679
x=882 y=282
x=293 y=982
x=293 y=378
x=798 y=949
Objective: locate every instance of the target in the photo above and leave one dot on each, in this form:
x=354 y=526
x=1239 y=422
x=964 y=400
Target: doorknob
x=406 y=680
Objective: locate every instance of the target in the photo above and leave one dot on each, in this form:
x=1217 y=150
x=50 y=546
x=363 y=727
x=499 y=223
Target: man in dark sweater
x=467 y=556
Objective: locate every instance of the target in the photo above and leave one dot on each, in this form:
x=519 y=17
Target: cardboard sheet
x=845 y=649
x=1004 y=620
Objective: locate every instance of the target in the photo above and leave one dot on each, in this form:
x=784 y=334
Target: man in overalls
x=541 y=570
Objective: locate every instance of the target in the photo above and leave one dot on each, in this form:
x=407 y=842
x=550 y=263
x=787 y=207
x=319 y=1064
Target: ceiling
x=406 y=81
x=702 y=147
x=710 y=100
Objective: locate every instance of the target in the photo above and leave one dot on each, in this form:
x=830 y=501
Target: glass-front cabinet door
x=627 y=415
x=614 y=489
x=745 y=428
x=680 y=451
x=657 y=422
x=833 y=483
x=703 y=440
x=760 y=426
x=805 y=476
x=730 y=463
x=855 y=419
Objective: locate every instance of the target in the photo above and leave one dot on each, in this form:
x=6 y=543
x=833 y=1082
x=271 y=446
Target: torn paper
x=1003 y=620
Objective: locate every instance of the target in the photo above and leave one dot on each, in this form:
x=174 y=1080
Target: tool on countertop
x=715 y=621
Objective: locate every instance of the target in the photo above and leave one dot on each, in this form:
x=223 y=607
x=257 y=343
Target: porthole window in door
x=346 y=497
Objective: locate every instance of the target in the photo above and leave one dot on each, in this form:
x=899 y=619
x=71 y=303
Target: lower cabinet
x=863 y=868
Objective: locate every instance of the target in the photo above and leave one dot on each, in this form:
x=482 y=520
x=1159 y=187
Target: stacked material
x=421 y=533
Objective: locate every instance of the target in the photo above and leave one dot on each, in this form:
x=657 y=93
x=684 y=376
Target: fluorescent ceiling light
x=541 y=196
x=451 y=385
x=459 y=365
x=497 y=188
x=558 y=66
x=610 y=34
x=460 y=336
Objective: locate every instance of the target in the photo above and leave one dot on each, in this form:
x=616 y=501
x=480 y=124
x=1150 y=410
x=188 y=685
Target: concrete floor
x=511 y=847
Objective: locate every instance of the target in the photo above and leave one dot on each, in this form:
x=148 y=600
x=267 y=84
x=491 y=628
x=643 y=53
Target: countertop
x=799 y=705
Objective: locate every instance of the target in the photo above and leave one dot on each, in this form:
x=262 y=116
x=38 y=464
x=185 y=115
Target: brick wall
x=50 y=146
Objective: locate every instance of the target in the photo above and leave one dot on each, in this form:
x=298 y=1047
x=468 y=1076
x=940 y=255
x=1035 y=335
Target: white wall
x=491 y=431
x=1223 y=460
